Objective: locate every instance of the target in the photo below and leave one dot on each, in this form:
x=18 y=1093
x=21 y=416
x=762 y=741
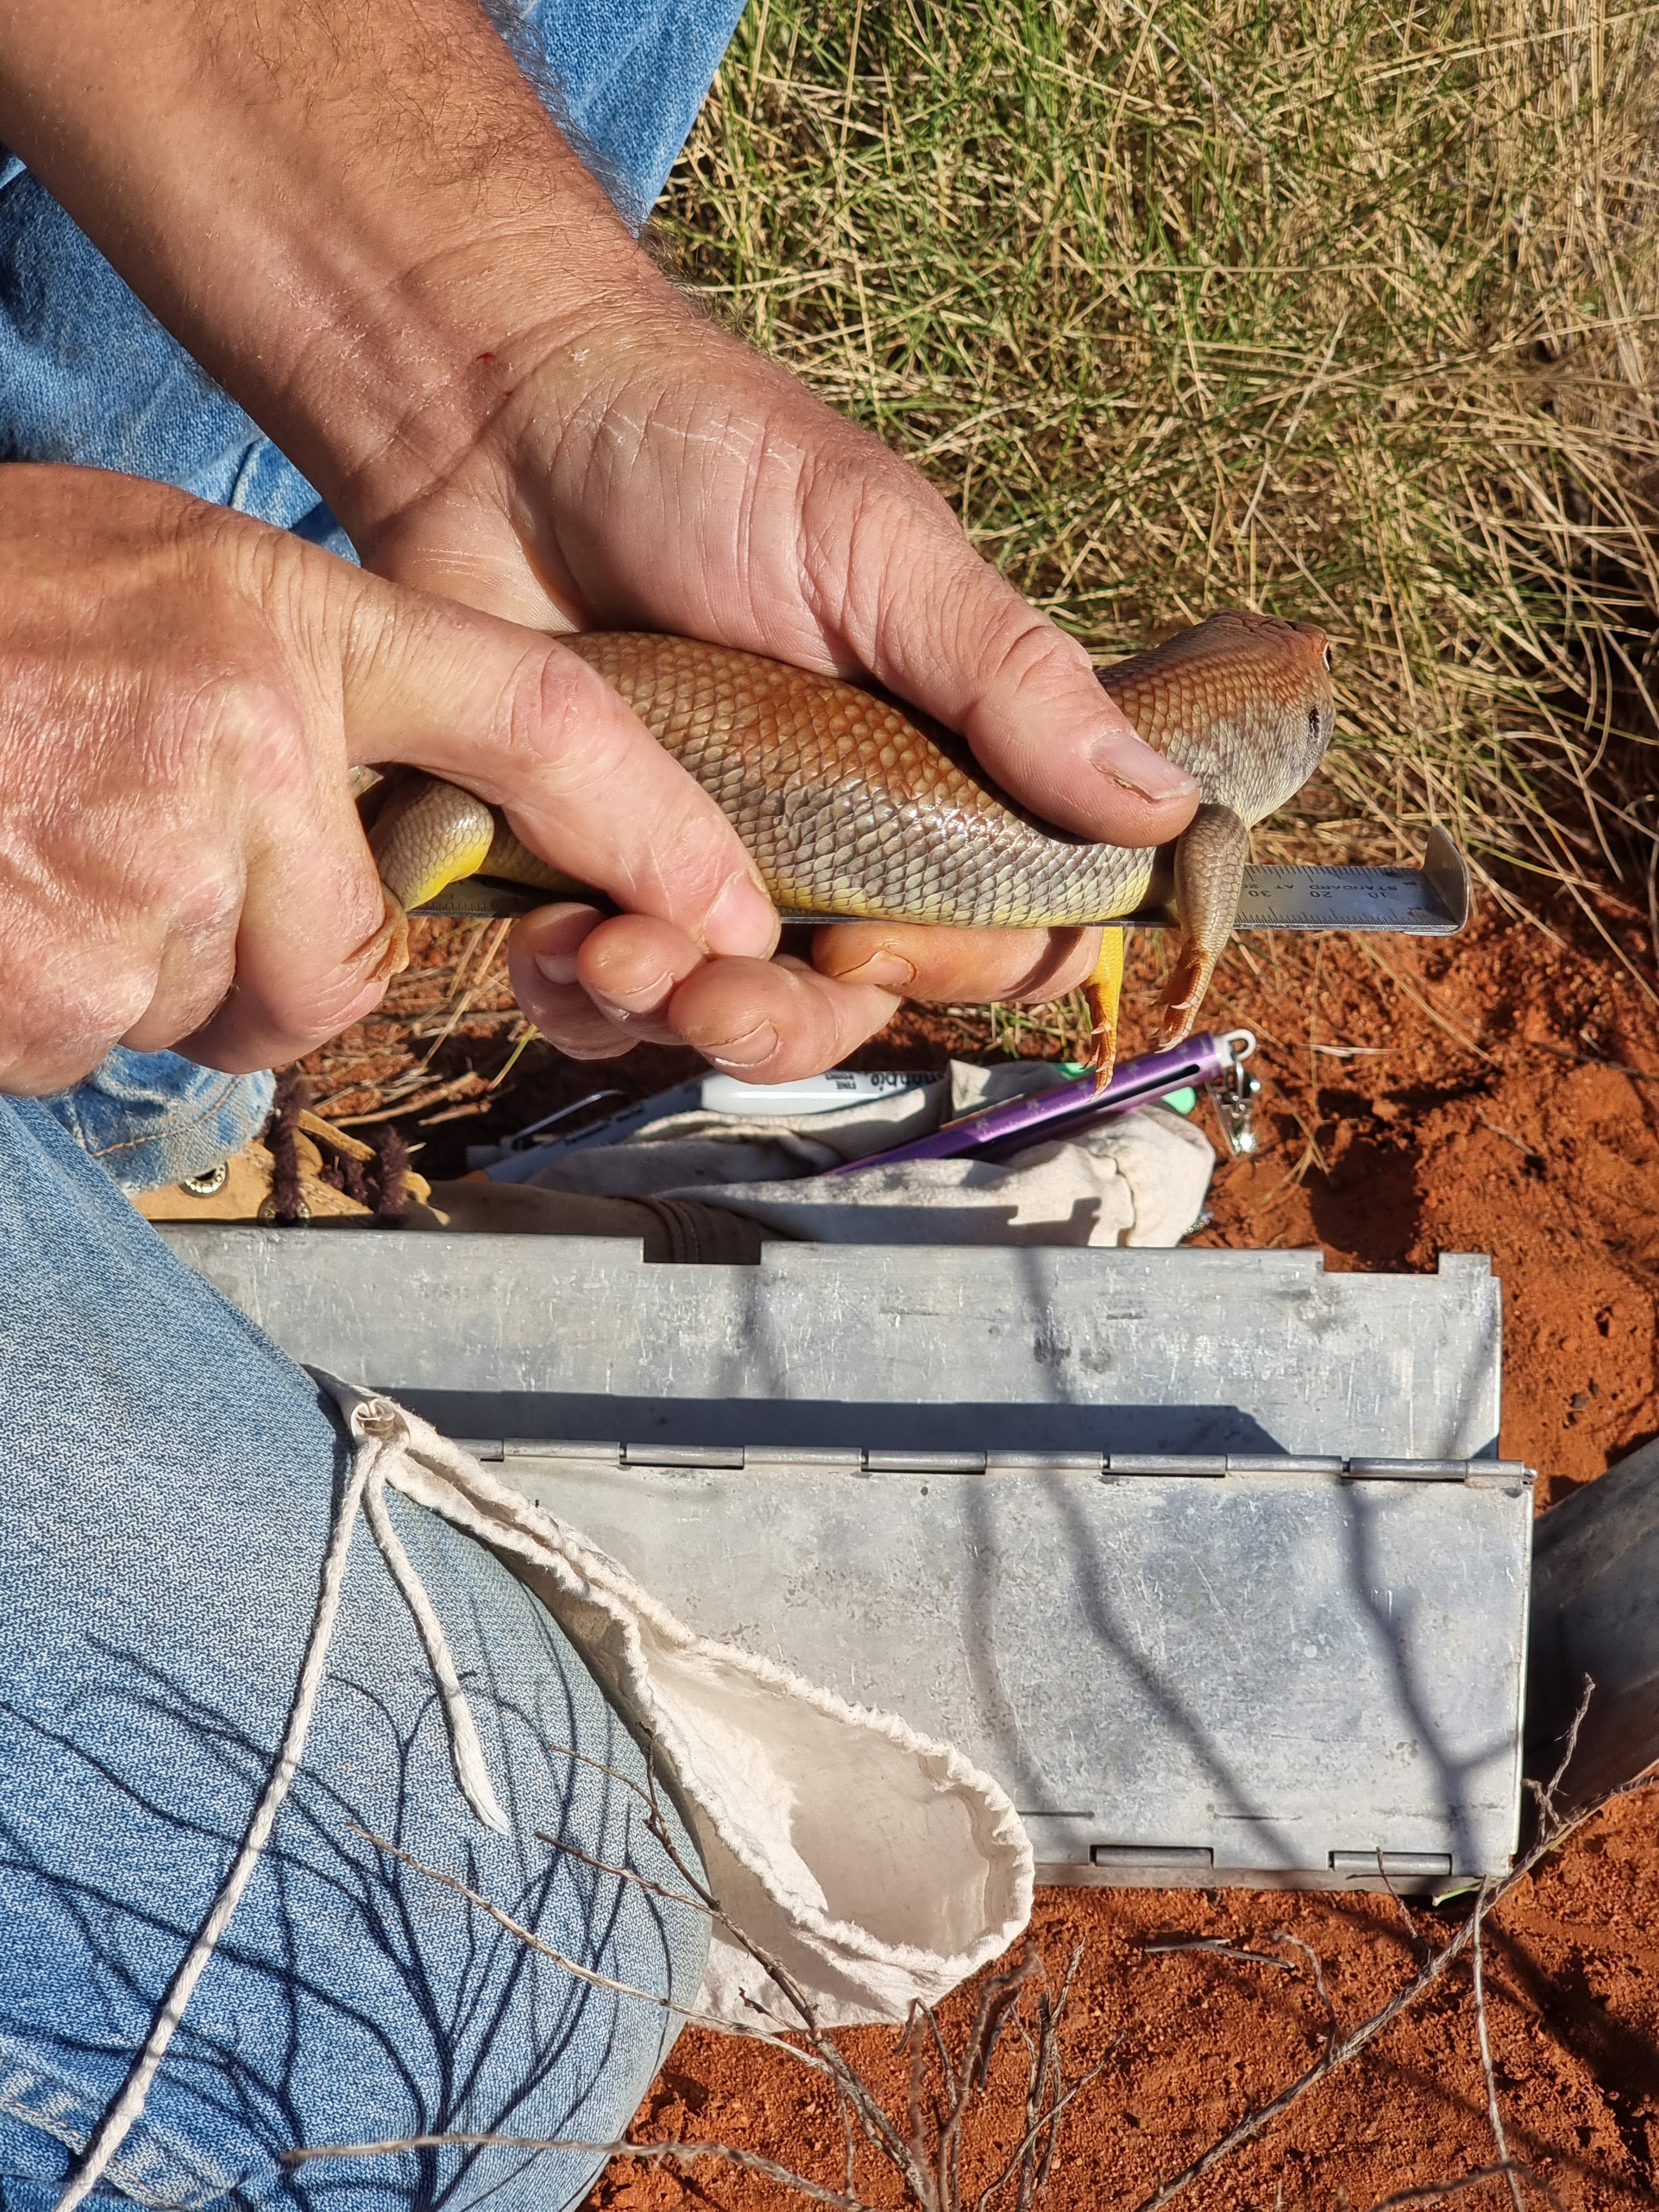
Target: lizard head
x=1244 y=700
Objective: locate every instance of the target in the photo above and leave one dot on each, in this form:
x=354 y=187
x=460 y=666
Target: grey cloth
x=669 y=1229
x=1140 y=1179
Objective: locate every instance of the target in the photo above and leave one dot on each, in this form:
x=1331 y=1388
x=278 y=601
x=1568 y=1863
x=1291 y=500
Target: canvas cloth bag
x=1140 y=1179
x=877 y=1866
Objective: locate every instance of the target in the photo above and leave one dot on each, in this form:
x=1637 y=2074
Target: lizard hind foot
x=1104 y=991
x=1183 y=994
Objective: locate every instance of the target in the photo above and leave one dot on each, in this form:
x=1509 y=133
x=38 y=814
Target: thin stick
x=484 y=967
x=527 y=1937
x=1049 y=2118
x=417 y=1104
x=458 y=974
x=1332 y=2025
x=513 y=1057
x=878 y=2127
x=623 y=1874
x=1431 y=2192
x=1216 y=1948
x=1552 y=1835
x=1494 y=2111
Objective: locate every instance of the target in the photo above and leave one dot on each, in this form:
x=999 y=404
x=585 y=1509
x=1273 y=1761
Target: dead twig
x=599 y=1981
x=1332 y=2025
x=458 y=1086
x=1432 y=2192
x=925 y=2152
x=1217 y=1948
x=1494 y=2110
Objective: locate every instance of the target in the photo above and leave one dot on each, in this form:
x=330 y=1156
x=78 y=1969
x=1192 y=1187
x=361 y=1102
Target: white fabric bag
x=877 y=1866
x=1138 y=1179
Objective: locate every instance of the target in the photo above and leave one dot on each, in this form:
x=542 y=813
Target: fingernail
x=557 y=935
x=1145 y=773
x=886 y=970
x=644 y=998
x=741 y=921
x=747 y=1051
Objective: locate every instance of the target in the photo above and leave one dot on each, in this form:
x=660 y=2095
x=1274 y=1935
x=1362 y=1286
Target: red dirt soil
x=1420 y=1098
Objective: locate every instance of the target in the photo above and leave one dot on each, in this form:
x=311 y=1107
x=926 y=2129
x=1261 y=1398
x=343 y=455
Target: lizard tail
x=1103 y=990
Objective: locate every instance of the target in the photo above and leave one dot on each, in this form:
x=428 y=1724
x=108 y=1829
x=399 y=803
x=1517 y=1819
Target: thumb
x=512 y=716
x=935 y=623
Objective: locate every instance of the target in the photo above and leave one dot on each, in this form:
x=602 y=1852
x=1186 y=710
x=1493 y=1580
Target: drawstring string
x=465 y=1751
x=378 y=1427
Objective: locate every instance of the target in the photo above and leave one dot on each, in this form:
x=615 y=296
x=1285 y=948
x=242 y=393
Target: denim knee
x=171 y=1481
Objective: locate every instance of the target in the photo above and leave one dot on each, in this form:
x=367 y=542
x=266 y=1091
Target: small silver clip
x=1234 y=1097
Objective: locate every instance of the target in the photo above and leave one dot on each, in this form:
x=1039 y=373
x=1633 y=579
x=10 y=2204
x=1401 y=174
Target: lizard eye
x=1329 y=661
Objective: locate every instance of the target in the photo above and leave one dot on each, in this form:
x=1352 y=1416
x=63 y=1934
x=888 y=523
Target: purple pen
x=995 y=1132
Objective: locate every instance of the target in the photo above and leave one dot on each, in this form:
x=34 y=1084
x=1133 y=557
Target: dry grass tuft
x=1344 y=310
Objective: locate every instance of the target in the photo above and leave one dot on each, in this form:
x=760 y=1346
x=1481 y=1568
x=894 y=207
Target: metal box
x=1206 y=1555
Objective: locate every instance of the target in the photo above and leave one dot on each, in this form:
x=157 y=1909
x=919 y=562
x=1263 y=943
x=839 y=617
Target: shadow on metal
x=1100 y=1518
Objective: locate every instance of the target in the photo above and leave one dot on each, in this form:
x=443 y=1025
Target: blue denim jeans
x=169 y=1481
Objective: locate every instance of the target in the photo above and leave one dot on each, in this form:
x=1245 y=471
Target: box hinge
x=1508 y=1474
x=832 y=1459
x=712 y=1455
x=922 y=1463
x=1391 y=1865
x=1206 y=1464
x=563 y=1448
x=1178 y=1857
x=1485 y=1473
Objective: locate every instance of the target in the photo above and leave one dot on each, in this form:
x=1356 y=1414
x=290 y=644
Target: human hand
x=648 y=471
x=369 y=231
x=182 y=695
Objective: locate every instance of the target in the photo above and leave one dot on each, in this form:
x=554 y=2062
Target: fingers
x=596 y=988
x=524 y=723
x=185 y=848
x=948 y=967
x=633 y=963
x=314 y=946
x=775 y=1021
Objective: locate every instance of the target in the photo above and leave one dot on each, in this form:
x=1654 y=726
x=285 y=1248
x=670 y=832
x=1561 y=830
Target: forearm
x=334 y=208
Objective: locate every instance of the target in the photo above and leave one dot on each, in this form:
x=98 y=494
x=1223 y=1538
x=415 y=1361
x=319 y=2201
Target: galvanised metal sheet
x=1266 y=1676
x=1267 y=1668
x=1012 y=1348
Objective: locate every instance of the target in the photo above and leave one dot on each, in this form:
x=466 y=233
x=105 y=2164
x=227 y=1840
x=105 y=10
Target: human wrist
x=338 y=216
x=457 y=360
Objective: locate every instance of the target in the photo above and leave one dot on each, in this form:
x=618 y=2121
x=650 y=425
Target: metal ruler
x=1432 y=900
